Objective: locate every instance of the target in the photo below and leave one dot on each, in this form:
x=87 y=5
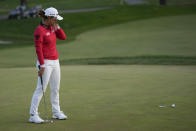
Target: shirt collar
x=47 y=27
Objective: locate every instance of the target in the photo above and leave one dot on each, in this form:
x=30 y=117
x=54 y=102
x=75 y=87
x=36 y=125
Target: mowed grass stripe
x=141 y=60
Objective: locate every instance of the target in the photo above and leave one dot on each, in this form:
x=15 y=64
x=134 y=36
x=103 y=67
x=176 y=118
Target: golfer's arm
x=39 y=52
x=60 y=34
x=38 y=48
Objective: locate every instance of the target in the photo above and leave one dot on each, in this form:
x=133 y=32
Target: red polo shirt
x=45 y=42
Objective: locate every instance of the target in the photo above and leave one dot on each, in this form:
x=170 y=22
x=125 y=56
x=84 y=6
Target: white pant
x=51 y=74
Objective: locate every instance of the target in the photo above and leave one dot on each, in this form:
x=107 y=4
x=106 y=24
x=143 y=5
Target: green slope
x=21 y=31
x=159 y=36
x=165 y=40
x=128 y=35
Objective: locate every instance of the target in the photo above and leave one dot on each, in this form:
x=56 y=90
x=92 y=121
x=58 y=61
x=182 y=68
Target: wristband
x=42 y=66
x=58 y=27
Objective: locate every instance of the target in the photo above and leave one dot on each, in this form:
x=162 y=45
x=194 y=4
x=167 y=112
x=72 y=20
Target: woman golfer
x=48 y=63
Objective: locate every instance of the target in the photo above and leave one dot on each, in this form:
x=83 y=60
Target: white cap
x=53 y=12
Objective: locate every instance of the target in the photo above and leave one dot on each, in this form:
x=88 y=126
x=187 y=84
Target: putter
x=45 y=106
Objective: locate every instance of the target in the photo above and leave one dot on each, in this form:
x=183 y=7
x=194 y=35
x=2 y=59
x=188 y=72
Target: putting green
x=107 y=98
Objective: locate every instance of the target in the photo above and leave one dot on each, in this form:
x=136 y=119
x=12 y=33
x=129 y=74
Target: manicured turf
x=159 y=36
x=162 y=40
x=107 y=98
x=77 y=23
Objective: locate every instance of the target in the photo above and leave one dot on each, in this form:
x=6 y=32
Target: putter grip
x=40 y=76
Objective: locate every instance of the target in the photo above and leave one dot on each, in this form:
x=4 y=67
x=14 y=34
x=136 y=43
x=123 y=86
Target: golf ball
x=173 y=105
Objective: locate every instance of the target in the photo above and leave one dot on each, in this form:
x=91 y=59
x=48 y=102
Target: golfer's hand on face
x=56 y=26
x=41 y=71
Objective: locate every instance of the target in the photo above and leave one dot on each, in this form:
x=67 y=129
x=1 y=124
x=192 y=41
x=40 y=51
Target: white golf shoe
x=59 y=115
x=36 y=119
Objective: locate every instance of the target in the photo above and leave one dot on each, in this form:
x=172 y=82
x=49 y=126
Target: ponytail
x=41 y=13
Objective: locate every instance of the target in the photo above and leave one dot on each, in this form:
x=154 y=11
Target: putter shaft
x=45 y=107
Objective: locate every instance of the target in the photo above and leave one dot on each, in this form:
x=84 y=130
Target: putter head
x=48 y=121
